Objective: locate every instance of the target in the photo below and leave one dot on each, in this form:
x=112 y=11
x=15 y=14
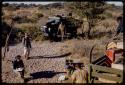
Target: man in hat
x=69 y=68
x=27 y=46
x=79 y=75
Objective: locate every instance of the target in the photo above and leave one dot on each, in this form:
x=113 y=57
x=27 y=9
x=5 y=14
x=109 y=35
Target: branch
x=7 y=39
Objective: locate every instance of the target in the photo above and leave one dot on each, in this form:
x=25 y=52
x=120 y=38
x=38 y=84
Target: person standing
x=27 y=45
x=120 y=26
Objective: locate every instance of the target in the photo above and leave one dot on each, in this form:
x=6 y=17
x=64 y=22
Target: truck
x=52 y=31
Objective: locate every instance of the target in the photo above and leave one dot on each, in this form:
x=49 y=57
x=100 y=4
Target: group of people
x=78 y=75
x=18 y=65
x=74 y=72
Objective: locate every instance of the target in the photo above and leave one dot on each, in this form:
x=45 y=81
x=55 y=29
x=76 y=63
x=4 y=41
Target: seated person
x=18 y=66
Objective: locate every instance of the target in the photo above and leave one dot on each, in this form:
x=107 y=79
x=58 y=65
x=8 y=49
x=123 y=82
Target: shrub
x=11 y=7
x=39 y=14
x=32 y=29
x=5 y=31
x=82 y=48
x=108 y=15
x=8 y=16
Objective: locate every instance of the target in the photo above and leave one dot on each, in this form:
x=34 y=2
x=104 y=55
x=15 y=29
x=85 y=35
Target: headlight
x=43 y=28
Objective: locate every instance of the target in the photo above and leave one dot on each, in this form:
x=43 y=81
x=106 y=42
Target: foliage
x=11 y=7
x=90 y=10
x=5 y=31
x=32 y=29
x=36 y=16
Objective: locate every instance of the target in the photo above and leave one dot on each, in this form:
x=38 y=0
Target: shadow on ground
x=48 y=56
x=44 y=74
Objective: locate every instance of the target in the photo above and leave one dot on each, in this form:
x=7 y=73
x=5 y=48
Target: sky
x=117 y=3
x=43 y=3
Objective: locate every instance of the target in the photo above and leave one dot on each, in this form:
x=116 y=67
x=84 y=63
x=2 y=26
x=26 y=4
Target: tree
x=92 y=11
x=8 y=33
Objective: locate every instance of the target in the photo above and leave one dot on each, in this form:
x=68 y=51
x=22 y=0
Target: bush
x=7 y=16
x=13 y=38
x=5 y=30
x=82 y=49
x=33 y=19
x=39 y=37
x=11 y=7
x=108 y=15
x=39 y=14
x=33 y=30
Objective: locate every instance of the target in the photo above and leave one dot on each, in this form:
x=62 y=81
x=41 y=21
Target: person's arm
x=14 y=64
x=23 y=40
x=22 y=64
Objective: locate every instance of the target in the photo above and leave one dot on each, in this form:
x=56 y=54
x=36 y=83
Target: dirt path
x=45 y=64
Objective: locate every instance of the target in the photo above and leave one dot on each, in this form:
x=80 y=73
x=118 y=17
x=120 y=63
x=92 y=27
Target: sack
x=62 y=78
x=19 y=69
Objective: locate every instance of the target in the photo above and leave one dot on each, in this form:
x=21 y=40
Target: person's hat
x=18 y=56
x=77 y=61
x=111 y=45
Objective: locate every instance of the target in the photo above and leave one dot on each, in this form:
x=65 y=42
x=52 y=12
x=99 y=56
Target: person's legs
x=22 y=74
x=62 y=35
x=25 y=52
x=18 y=74
x=28 y=53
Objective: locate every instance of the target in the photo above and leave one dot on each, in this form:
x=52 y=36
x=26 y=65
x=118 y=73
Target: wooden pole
x=7 y=39
x=90 y=66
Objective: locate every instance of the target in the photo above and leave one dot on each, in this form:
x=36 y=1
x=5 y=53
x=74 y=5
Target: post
x=90 y=70
x=7 y=39
x=90 y=64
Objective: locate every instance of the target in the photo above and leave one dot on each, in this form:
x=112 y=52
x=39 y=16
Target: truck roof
x=56 y=18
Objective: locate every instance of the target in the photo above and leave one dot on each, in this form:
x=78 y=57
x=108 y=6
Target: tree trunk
x=82 y=28
x=89 y=28
x=7 y=39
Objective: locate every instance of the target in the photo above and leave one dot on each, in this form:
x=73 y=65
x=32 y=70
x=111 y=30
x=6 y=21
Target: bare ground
x=47 y=59
x=46 y=63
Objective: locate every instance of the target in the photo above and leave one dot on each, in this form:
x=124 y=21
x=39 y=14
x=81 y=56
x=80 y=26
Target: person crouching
x=18 y=66
x=79 y=75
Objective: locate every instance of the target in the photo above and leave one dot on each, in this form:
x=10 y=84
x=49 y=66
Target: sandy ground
x=47 y=60
x=46 y=63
